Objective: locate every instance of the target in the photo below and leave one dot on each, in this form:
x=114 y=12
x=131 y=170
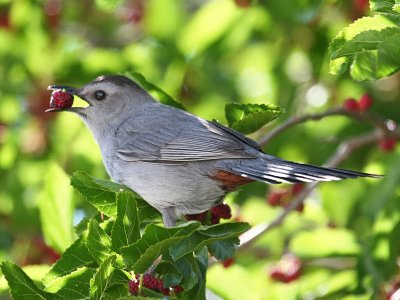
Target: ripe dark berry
x=350 y=104
x=201 y=217
x=59 y=99
x=365 y=102
x=223 y=211
x=134 y=287
x=228 y=262
x=150 y=282
x=287 y=269
x=276 y=198
x=387 y=144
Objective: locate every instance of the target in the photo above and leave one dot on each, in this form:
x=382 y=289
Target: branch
x=345 y=149
x=368 y=117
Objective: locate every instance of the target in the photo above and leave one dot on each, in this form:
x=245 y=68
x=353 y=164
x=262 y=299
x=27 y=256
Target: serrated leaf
x=169 y=273
x=98 y=242
x=76 y=256
x=103 y=197
x=223 y=249
x=200 y=264
x=56 y=208
x=384 y=6
x=126 y=227
x=75 y=285
x=187 y=267
x=102 y=194
x=21 y=286
x=203 y=237
x=161 y=94
x=369 y=47
x=154 y=241
x=101 y=280
x=248 y=118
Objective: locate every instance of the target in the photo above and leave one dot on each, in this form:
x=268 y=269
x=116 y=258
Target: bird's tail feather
x=277 y=171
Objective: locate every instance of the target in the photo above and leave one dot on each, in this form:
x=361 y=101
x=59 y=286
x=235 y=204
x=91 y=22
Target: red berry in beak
x=60 y=99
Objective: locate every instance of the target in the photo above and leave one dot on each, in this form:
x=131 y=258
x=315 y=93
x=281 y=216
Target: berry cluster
x=363 y=104
x=153 y=283
x=212 y=216
x=387 y=144
x=60 y=99
x=283 y=197
x=287 y=269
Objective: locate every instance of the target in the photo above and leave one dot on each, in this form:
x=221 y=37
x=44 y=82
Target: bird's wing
x=174 y=136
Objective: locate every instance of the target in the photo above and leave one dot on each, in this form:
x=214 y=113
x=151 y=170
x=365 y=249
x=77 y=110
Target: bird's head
x=106 y=96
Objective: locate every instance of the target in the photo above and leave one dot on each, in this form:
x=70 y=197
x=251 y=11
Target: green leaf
x=248 y=118
x=155 y=240
x=74 y=285
x=169 y=273
x=384 y=6
x=56 y=208
x=100 y=194
x=187 y=267
x=76 y=256
x=369 y=47
x=108 y=5
x=21 y=286
x=98 y=242
x=126 y=227
x=200 y=264
x=223 y=249
x=203 y=237
x=161 y=94
x=101 y=280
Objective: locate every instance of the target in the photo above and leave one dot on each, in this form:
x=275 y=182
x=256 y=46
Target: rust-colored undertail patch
x=230 y=180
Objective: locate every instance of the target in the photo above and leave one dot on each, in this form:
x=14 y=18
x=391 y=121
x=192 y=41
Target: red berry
x=287 y=269
x=361 y=5
x=228 y=262
x=4 y=20
x=275 y=198
x=134 y=287
x=201 y=217
x=223 y=211
x=243 y=3
x=387 y=144
x=365 y=102
x=351 y=104
x=297 y=188
x=59 y=99
x=177 y=289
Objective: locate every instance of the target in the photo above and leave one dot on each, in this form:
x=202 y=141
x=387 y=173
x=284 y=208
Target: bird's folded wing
x=186 y=140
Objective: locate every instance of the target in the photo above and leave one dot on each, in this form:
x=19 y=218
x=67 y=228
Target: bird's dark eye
x=99 y=95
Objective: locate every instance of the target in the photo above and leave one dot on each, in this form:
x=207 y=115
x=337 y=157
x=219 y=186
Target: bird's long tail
x=274 y=170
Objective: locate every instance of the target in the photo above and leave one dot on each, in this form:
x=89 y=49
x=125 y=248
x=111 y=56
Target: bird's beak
x=69 y=90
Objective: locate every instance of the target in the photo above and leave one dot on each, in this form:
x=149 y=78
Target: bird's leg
x=168 y=216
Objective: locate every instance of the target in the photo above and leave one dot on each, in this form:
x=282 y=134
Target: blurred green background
x=205 y=54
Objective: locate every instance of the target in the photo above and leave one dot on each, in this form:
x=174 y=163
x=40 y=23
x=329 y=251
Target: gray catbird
x=178 y=162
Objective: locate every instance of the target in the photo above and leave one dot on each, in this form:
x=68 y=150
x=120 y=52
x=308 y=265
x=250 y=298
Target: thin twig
x=368 y=117
x=344 y=150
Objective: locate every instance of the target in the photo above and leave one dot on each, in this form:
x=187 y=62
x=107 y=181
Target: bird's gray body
x=174 y=159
